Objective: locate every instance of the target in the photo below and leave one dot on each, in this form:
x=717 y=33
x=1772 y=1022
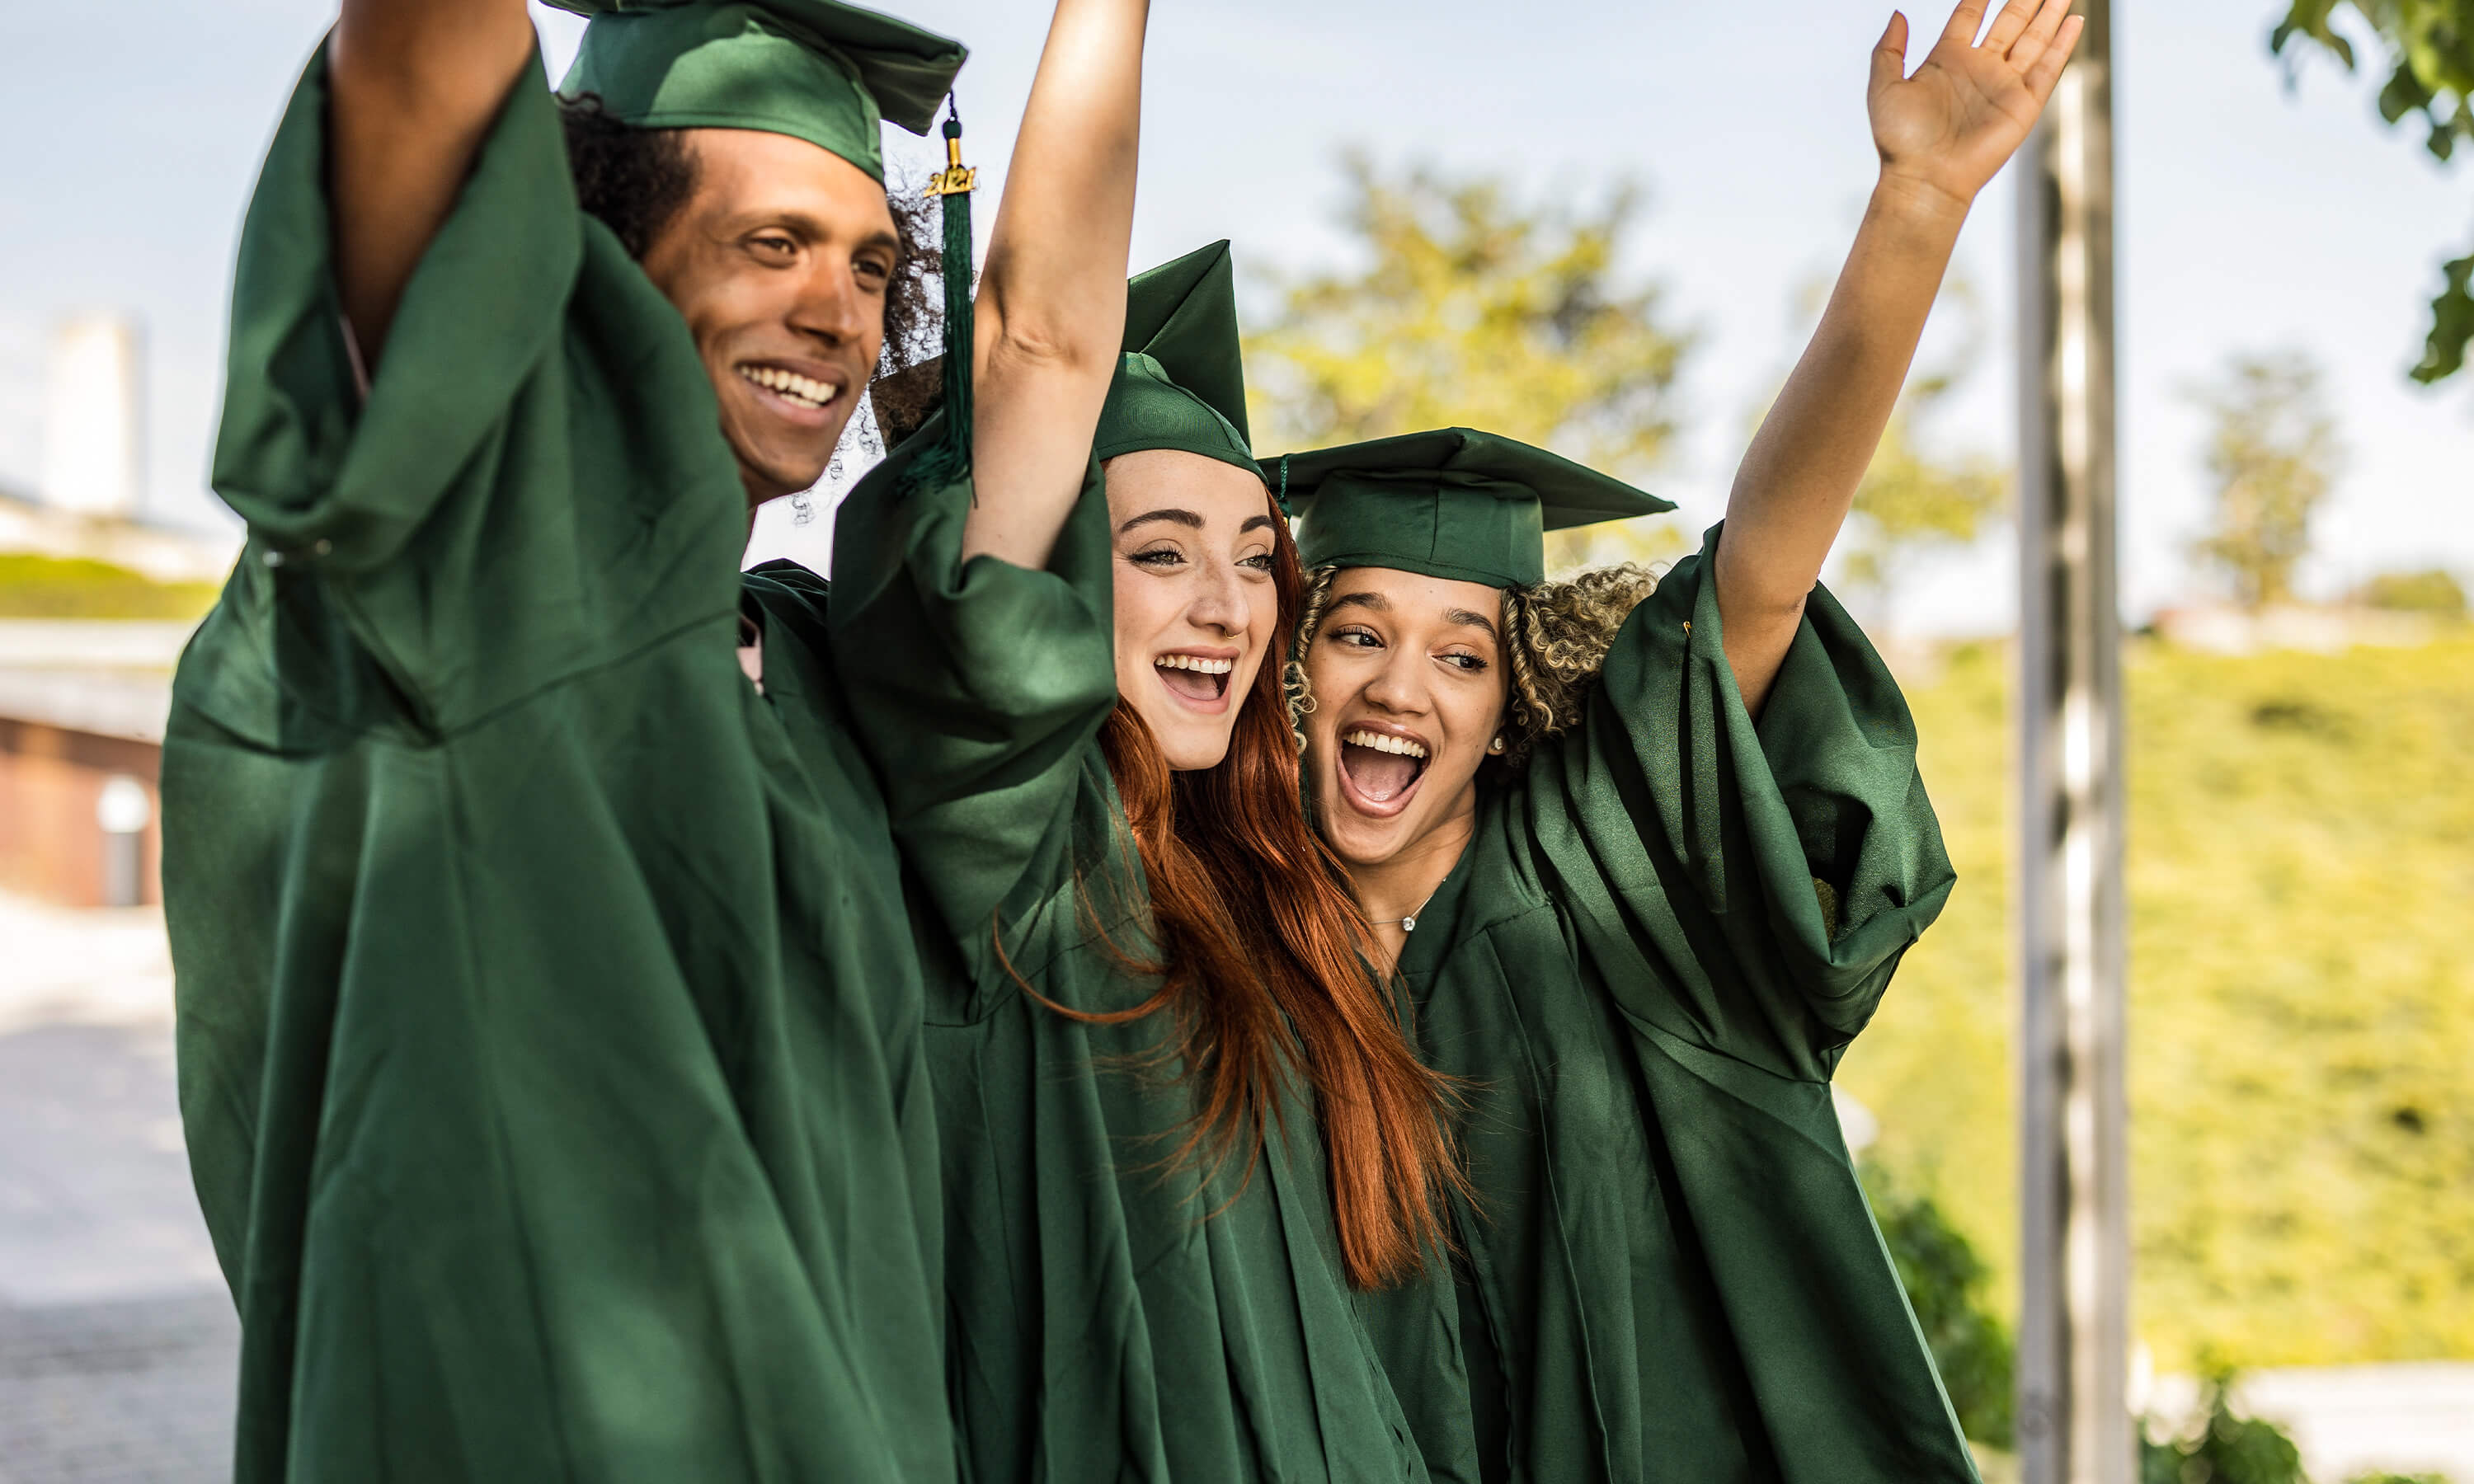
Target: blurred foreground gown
x=1109 y=1319
x=549 y=1015
x=1671 y=1274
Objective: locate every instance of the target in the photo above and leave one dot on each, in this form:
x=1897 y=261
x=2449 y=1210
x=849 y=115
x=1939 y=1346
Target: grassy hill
x=2302 y=999
x=33 y=586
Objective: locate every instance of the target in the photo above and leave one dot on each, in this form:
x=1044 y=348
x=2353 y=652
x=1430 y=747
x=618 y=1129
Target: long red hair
x=1263 y=958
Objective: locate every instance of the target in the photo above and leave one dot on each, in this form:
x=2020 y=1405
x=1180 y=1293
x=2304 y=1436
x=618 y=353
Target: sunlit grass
x=2302 y=1055
x=33 y=586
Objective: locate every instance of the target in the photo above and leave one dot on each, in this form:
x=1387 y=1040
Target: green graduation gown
x=1108 y=1319
x=1671 y=1274
x=547 y=1007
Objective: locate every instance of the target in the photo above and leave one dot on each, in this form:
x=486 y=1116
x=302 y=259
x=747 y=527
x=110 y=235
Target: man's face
x=780 y=263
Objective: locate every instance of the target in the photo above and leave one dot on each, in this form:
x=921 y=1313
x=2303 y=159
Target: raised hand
x=1951 y=126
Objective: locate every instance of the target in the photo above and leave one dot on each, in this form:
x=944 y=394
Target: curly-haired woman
x=1643 y=858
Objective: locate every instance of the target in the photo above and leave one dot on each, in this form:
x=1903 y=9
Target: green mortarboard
x=1451 y=503
x=813 y=69
x=1182 y=382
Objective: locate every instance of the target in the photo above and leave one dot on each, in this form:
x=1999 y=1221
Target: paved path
x=116 y=1338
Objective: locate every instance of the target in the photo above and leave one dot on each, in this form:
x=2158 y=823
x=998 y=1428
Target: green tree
x=2274 y=452
x=1475 y=307
x=2430 y=60
x=1944 y=1281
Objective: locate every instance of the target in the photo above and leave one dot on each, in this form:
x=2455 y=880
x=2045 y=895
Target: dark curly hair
x=635 y=181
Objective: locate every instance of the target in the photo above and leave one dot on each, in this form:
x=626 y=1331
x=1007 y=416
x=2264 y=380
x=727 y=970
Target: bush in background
x=2435 y=591
x=2230 y=1449
x=1946 y=1282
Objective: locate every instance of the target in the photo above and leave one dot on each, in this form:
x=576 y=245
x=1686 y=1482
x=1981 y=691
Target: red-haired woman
x=1178 y=1121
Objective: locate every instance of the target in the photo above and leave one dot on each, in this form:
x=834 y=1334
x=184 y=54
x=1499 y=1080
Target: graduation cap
x=1181 y=383
x=813 y=69
x=1452 y=503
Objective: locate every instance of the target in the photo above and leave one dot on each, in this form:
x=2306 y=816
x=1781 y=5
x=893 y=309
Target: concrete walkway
x=117 y=1340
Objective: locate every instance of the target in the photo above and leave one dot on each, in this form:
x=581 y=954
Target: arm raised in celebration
x=414 y=86
x=1052 y=304
x=1942 y=134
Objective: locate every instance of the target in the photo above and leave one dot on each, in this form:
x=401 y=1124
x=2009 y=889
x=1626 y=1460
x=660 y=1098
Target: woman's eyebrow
x=1183 y=518
x=1258 y=523
x=1373 y=600
x=1462 y=616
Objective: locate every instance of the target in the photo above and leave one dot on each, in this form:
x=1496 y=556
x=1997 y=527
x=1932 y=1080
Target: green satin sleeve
x=1747 y=887
x=978 y=687
x=460 y=534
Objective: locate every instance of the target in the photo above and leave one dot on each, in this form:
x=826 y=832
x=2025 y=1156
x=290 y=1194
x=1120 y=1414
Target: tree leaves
x=1474 y=307
x=2273 y=451
x=2452 y=323
x=2431 y=55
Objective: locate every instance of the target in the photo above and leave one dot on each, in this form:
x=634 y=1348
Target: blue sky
x=2252 y=217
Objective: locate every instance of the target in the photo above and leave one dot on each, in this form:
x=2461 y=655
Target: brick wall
x=51 y=845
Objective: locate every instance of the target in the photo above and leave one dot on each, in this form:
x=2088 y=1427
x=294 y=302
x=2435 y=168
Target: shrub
x=1944 y=1281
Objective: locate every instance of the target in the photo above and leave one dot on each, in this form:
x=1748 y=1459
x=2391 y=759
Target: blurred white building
x=90 y=501
x=94 y=428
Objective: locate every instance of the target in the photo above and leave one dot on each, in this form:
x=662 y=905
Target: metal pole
x=2074 y=1424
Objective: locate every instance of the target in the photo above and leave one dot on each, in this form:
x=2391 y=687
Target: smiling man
x=548 y=1008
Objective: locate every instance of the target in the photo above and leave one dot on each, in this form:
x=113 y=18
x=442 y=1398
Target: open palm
x=1970 y=106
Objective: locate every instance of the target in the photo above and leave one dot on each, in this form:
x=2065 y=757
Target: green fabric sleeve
x=1690 y=838
x=978 y=687
x=464 y=537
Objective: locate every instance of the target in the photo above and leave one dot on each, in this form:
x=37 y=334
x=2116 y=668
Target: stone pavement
x=116 y=1339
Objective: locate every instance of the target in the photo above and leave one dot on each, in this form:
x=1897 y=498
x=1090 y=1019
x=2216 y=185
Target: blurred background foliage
x=2225 y=1448
x=1946 y=1282
x=1919 y=497
x=35 y=586
x=2303 y=1010
x=2273 y=455
x=1470 y=305
x=2433 y=590
x=2429 y=58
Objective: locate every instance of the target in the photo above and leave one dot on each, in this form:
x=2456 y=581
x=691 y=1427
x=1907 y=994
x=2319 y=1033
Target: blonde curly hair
x=1556 y=636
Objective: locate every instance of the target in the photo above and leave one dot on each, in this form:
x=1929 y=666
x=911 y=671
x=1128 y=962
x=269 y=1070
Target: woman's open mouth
x=1380 y=769
x=1200 y=682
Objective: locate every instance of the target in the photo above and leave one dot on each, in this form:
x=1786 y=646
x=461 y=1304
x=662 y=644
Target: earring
x=1495 y=747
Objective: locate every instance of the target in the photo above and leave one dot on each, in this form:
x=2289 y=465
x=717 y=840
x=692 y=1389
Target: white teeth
x=1384 y=743
x=1194 y=662
x=791 y=385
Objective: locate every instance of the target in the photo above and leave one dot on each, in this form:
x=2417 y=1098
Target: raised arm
x=1052 y=304
x=413 y=85
x=1942 y=134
